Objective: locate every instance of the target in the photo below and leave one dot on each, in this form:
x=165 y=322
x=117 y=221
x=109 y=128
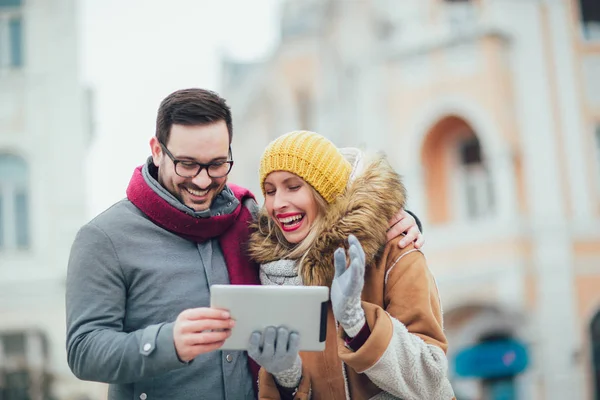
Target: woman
x=385 y=337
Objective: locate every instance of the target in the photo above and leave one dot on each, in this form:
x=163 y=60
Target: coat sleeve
x=405 y=353
x=96 y=296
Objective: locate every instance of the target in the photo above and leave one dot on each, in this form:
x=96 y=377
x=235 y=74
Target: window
x=590 y=19
x=595 y=345
x=11 y=34
x=24 y=370
x=2 y=223
x=475 y=186
x=10 y=3
x=21 y=219
x=14 y=203
x=598 y=150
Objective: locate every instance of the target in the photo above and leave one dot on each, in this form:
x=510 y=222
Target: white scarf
x=280 y=272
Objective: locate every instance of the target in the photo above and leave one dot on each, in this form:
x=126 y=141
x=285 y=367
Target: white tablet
x=300 y=308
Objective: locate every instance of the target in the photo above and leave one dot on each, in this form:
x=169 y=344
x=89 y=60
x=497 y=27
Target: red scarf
x=231 y=230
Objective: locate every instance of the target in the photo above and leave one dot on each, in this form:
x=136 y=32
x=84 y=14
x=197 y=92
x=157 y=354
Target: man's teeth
x=288 y=220
x=197 y=192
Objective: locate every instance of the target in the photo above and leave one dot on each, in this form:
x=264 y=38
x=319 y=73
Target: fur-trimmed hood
x=373 y=196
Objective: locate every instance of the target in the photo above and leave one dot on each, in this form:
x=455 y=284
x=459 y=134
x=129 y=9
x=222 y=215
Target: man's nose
x=202 y=180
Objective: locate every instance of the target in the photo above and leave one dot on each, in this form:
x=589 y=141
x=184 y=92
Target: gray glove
x=347 y=287
x=276 y=350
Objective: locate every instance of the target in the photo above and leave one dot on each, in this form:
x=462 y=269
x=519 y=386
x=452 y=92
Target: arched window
x=595 y=340
x=457 y=176
x=14 y=203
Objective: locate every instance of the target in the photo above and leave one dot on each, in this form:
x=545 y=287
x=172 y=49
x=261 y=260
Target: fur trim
x=364 y=210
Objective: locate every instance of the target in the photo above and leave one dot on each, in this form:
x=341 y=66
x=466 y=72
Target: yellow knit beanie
x=312 y=157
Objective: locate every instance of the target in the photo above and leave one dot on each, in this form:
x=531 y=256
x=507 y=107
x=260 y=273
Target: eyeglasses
x=191 y=169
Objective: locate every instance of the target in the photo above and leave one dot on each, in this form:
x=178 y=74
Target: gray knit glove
x=276 y=350
x=347 y=287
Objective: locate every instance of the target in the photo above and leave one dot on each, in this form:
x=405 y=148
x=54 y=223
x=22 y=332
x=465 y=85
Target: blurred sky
x=135 y=52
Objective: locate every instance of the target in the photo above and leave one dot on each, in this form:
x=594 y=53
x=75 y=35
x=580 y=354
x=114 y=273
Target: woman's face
x=291 y=204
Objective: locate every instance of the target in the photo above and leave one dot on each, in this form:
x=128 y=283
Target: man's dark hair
x=191 y=107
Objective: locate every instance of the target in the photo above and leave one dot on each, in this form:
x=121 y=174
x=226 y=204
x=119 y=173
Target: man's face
x=199 y=143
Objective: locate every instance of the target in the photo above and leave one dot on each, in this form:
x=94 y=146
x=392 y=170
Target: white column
x=572 y=129
x=552 y=256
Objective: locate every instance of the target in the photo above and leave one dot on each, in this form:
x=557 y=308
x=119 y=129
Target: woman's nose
x=280 y=201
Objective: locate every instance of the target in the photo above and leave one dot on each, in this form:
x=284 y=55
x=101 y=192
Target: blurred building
x=43 y=140
x=491 y=111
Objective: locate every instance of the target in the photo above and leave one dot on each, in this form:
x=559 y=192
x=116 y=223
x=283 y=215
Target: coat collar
x=370 y=201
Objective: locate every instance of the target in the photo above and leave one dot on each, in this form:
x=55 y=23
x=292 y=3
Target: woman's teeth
x=291 y=220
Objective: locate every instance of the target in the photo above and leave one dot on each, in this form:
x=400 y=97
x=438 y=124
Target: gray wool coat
x=127 y=281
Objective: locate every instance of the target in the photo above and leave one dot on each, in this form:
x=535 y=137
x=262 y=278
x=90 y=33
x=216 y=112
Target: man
x=138 y=296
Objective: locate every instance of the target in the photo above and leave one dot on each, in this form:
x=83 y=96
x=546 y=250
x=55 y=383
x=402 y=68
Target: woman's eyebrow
x=286 y=180
x=292 y=178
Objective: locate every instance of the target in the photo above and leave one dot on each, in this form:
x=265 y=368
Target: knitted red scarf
x=231 y=230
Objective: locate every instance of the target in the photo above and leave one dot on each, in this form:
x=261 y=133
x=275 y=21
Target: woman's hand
x=274 y=349
x=347 y=287
x=277 y=351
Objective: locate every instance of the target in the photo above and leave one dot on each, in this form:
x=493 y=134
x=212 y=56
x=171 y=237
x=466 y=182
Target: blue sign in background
x=494 y=359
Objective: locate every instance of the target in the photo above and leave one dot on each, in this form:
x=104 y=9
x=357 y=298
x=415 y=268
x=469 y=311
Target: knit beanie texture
x=312 y=157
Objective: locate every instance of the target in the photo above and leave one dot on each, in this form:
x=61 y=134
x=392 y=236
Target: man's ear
x=156 y=151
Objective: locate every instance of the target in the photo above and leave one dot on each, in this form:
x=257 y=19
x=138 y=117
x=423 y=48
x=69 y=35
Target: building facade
x=490 y=109
x=43 y=140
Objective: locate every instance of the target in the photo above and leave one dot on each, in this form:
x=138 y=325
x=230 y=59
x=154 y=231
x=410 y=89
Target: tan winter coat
x=404 y=357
